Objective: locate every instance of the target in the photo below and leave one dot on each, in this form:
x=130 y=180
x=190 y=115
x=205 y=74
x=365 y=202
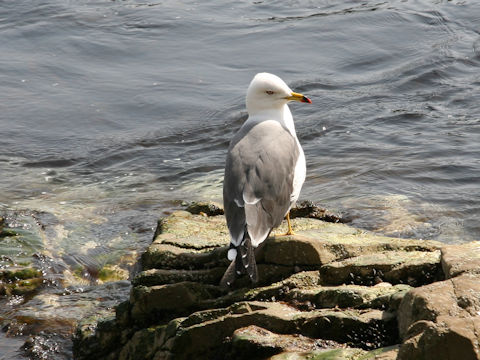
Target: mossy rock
x=112 y=273
x=204 y=208
x=19 y=273
x=20 y=280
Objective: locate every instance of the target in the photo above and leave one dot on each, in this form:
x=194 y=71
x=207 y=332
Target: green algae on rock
x=19 y=280
x=205 y=208
x=19 y=246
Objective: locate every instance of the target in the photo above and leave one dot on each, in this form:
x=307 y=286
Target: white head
x=269 y=92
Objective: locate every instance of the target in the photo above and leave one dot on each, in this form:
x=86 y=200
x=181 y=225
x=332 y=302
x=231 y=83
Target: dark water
x=112 y=110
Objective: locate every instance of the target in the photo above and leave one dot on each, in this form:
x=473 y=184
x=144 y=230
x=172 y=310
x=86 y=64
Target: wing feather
x=259 y=175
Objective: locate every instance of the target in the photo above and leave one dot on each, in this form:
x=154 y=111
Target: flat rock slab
x=369 y=328
x=458 y=297
x=413 y=267
x=441 y=320
x=187 y=241
x=447 y=338
x=328 y=285
x=256 y=342
x=202 y=332
x=345 y=296
x=158 y=302
x=336 y=354
x=387 y=353
x=195 y=232
x=153 y=277
x=154 y=302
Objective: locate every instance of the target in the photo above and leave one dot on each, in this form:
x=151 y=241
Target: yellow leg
x=290 y=230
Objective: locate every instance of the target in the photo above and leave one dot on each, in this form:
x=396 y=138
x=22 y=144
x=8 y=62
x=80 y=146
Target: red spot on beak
x=306 y=100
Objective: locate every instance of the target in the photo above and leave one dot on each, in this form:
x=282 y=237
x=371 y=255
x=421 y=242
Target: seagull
x=264 y=173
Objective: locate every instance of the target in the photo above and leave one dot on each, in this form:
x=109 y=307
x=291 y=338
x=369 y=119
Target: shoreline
x=192 y=262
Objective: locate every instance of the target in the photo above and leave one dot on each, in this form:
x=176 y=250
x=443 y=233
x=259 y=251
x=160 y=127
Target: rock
x=307 y=209
x=59 y=312
x=38 y=347
x=196 y=232
x=186 y=241
x=348 y=296
x=142 y=344
x=441 y=319
x=458 y=297
x=253 y=342
x=369 y=329
x=19 y=273
x=387 y=353
x=294 y=250
x=303 y=291
x=201 y=334
x=159 y=302
x=272 y=292
x=414 y=267
x=337 y=354
x=20 y=280
x=110 y=273
x=162 y=276
x=458 y=259
x=167 y=256
x=204 y=208
x=97 y=338
x=20 y=239
x=315 y=291
x=317 y=243
x=344 y=241
x=448 y=338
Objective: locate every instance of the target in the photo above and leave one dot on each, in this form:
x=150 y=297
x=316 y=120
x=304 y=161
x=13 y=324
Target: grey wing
x=259 y=180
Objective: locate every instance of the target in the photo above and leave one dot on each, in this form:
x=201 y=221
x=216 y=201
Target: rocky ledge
x=329 y=292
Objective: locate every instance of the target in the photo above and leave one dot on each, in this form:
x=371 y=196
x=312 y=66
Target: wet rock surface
x=45 y=290
x=19 y=274
x=329 y=292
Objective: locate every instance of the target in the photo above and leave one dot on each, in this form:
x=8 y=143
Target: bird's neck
x=281 y=114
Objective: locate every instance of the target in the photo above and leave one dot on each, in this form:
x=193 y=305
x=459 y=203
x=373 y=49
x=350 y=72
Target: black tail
x=244 y=263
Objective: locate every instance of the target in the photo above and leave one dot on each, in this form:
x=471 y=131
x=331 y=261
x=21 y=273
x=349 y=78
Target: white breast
x=300 y=166
x=299 y=175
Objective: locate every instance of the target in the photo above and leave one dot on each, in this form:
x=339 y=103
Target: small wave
x=50 y=163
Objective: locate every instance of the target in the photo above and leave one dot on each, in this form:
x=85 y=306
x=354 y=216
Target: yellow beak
x=298 y=97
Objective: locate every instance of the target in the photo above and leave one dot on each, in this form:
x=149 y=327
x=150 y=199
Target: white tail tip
x=232 y=254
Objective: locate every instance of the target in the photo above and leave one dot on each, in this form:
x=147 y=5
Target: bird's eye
x=269 y=92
